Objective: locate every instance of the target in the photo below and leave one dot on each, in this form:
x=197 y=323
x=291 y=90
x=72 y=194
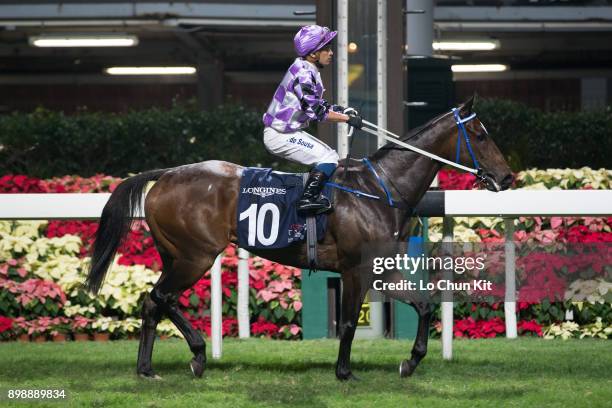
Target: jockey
x=299 y=100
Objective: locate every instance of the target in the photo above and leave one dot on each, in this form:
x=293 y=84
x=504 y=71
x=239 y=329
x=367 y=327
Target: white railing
x=89 y=206
x=507 y=204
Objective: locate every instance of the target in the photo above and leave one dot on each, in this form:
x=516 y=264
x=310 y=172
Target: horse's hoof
x=406 y=368
x=197 y=366
x=347 y=377
x=149 y=376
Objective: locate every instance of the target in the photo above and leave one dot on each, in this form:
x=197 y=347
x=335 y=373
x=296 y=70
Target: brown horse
x=191 y=211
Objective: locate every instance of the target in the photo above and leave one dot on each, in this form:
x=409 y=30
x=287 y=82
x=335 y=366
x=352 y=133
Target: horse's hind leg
x=185 y=274
x=178 y=276
x=182 y=275
x=151 y=315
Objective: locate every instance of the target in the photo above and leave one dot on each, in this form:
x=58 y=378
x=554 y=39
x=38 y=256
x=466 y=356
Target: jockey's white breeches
x=299 y=147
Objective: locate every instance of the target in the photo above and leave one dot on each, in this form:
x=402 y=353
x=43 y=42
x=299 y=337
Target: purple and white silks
x=298 y=99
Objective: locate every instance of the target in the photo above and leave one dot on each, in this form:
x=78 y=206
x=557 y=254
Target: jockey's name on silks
x=299 y=141
x=267 y=216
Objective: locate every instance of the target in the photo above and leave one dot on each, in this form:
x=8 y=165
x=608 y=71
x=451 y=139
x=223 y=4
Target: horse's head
x=478 y=150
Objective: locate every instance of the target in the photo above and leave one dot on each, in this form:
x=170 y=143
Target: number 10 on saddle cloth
x=267 y=216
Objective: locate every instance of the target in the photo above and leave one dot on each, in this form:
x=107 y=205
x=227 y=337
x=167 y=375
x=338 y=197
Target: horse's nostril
x=507 y=181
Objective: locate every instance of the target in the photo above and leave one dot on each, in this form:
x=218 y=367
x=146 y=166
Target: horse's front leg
x=423 y=306
x=419 y=350
x=352 y=298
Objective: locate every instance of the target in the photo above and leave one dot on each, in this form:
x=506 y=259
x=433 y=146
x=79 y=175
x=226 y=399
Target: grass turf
x=263 y=373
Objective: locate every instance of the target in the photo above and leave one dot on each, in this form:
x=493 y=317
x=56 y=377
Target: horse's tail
x=115 y=222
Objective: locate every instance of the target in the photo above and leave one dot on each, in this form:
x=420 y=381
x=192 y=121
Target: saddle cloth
x=267 y=210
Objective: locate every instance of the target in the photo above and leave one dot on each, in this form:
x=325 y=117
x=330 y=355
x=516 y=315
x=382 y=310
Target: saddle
x=267 y=211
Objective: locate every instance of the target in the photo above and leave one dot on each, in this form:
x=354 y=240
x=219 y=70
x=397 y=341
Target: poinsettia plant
x=6 y=327
x=34 y=296
x=569 y=252
x=60 y=325
x=81 y=324
x=46 y=262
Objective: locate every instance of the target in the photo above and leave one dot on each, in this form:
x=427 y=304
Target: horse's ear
x=466 y=108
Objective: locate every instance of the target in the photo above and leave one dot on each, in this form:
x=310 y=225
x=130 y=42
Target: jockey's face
x=325 y=55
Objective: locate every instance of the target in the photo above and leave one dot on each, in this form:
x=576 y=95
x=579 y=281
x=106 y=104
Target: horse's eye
x=481 y=136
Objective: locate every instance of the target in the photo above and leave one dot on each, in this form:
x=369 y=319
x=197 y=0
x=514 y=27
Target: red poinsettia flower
x=6 y=323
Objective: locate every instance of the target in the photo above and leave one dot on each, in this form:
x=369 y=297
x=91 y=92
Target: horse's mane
x=412 y=134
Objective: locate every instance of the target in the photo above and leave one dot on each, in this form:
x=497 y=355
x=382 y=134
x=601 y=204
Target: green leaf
x=554 y=310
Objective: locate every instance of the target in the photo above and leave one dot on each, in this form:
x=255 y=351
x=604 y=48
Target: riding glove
x=355 y=121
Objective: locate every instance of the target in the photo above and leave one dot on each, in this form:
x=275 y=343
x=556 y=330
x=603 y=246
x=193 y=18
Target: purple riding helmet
x=312 y=38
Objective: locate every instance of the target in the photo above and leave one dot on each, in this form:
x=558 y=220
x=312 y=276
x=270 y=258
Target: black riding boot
x=312 y=202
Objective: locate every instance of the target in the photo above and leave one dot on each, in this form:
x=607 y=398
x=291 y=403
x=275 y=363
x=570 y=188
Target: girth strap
x=311 y=236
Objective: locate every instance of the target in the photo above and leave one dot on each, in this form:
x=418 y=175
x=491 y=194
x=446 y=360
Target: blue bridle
x=462 y=132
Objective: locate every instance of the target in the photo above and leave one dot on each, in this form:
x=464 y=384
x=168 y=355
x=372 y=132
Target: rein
x=462 y=134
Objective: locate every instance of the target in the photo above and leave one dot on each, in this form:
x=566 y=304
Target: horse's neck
x=411 y=173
